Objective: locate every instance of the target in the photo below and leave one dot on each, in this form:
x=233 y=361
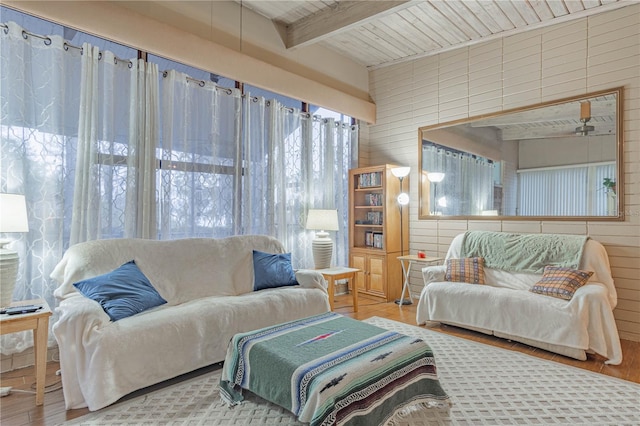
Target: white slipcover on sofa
x=208 y=284
x=505 y=307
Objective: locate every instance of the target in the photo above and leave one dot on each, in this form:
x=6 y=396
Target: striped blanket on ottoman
x=329 y=369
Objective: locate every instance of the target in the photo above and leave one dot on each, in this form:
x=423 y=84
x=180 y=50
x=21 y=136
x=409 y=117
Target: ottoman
x=329 y=369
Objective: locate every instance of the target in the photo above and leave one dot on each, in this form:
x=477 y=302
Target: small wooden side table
x=38 y=322
x=341 y=273
x=407 y=261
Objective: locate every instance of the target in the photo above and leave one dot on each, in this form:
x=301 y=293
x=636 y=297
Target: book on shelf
x=377 y=240
x=374 y=218
x=373 y=199
x=367 y=180
x=368 y=239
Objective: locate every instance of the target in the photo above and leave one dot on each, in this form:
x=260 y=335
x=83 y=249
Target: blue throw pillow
x=123 y=292
x=272 y=270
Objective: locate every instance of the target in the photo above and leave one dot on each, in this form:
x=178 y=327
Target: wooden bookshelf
x=374 y=230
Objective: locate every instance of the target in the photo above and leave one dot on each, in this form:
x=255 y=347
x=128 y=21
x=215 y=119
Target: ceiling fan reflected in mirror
x=585 y=116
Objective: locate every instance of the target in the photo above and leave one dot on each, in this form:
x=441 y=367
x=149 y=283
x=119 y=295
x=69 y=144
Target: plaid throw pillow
x=468 y=270
x=560 y=282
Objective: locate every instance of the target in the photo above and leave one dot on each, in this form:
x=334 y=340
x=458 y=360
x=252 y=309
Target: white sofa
x=506 y=308
x=208 y=284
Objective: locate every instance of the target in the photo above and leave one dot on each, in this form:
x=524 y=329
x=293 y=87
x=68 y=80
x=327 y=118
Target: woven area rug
x=487 y=386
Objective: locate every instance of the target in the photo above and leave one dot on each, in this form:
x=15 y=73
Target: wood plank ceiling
x=380 y=33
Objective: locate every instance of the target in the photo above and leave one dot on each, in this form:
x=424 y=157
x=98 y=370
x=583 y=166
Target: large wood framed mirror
x=559 y=160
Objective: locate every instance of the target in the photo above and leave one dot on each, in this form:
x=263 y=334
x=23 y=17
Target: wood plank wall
x=573 y=58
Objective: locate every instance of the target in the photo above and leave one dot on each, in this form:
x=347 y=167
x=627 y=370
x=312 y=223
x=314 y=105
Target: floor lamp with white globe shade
x=403 y=200
x=13 y=218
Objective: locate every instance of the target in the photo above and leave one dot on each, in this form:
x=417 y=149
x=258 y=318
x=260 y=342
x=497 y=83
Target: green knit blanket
x=523 y=252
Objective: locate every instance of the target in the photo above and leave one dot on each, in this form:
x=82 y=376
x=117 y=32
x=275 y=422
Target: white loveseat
x=505 y=307
x=208 y=286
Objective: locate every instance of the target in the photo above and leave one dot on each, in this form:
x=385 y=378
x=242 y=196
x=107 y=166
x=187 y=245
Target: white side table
x=406 y=262
x=38 y=322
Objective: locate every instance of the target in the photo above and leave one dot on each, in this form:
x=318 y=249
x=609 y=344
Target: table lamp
x=13 y=218
x=322 y=246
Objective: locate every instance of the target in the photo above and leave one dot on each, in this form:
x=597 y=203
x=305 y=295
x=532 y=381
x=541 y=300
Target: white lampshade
x=322 y=246
x=322 y=220
x=435 y=176
x=13 y=218
x=13 y=213
x=400 y=172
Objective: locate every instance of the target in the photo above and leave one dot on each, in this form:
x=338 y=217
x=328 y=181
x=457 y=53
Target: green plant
x=609 y=184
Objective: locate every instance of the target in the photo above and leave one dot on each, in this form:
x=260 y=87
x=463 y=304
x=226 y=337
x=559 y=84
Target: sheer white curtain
x=200 y=151
x=85 y=219
x=114 y=194
x=329 y=162
x=144 y=130
x=256 y=197
x=296 y=163
x=288 y=162
x=39 y=104
x=152 y=156
x=235 y=165
x=274 y=188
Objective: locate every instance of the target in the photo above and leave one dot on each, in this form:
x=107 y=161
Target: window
x=178 y=154
x=199 y=157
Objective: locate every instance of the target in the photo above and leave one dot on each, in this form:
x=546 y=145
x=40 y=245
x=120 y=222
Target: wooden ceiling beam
x=344 y=16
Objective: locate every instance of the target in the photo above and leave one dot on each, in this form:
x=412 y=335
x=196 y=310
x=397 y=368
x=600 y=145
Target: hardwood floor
x=19 y=409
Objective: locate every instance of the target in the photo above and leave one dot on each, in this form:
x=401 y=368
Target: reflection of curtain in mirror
x=467 y=187
x=565 y=191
